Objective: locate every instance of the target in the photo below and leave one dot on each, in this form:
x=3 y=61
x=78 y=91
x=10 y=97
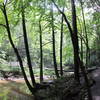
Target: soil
x=96 y=88
x=14 y=93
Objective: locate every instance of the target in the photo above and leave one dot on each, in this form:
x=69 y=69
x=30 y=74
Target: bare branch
x=3 y=25
x=46 y=43
x=19 y=37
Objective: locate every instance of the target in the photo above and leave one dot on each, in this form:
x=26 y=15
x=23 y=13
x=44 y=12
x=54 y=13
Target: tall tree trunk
x=77 y=49
x=61 y=43
x=76 y=44
x=41 y=53
x=53 y=39
x=16 y=50
x=74 y=39
x=81 y=39
x=79 y=61
x=81 y=49
x=27 y=49
x=85 y=31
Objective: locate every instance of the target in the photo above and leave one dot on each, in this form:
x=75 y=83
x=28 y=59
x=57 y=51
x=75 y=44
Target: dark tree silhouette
x=74 y=22
x=53 y=40
x=27 y=48
x=61 y=44
x=75 y=41
x=41 y=52
x=15 y=49
x=86 y=37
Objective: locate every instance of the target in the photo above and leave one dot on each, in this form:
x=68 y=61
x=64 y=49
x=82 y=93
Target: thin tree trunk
x=53 y=40
x=16 y=50
x=81 y=39
x=74 y=43
x=27 y=49
x=81 y=49
x=72 y=38
x=85 y=31
x=61 y=43
x=41 y=53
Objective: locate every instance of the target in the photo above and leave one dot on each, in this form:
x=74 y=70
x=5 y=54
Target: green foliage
x=33 y=10
x=39 y=11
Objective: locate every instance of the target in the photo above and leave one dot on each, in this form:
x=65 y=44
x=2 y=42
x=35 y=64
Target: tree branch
x=3 y=25
x=46 y=43
x=65 y=18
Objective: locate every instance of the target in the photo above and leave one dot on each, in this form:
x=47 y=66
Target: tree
x=75 y=41
x=41 y=52
x=53 y=39
x=27 y=48
x=14 y=48
x=61 y=44
x=86 y=36
x=77 y=49
x=35 y=86
x=48 y=22
x=74 y=38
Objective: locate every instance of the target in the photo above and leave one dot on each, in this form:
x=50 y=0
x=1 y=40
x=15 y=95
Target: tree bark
x=53 y=40
x=74 y=39
x=85 y=31
x=61 y=43
x=81 y=49
x=77 y=50
x=41 y=53
x=27 y=49
x=75 y=44
x=15 y=50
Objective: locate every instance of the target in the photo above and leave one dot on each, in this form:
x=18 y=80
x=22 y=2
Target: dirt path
x=14 y=90
x=96 y=88
x=16 y=95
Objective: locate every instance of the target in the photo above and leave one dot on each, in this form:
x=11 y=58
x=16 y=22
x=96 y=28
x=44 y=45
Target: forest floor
x=96 y=88
x=16 y=89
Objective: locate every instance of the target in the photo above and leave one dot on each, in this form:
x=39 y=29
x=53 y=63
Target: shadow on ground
x=96 y=87
x=12 y=90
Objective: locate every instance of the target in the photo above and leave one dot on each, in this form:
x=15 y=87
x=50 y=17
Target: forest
x=49 y=50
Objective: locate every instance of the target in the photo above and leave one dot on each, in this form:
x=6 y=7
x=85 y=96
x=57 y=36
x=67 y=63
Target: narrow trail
x=96 y=88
